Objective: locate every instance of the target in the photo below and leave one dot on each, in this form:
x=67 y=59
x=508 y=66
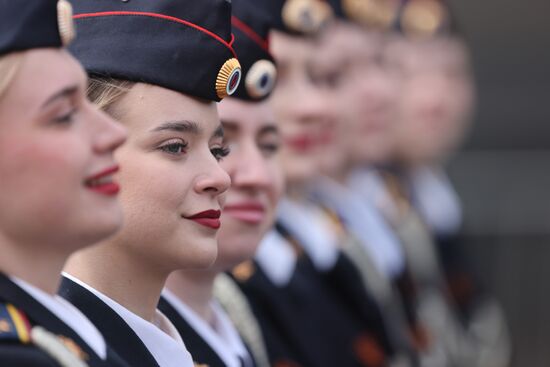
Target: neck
x=38 y=265
x=194 y=288
x=127 y=278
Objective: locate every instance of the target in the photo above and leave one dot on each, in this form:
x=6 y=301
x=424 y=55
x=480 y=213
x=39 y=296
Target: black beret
x=373 y=14
x=34 y=24
x=251 y=26
x=185 y=46
x=299 y=17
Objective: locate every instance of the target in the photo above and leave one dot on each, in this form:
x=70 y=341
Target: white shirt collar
x=276 y=258
x=436 y=200
x=366 y=224
x=312 y=229
x=223 y=339
x=69 y=314
x=162 y=340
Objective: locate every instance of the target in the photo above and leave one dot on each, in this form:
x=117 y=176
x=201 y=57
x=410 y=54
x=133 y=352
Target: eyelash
x=67 y=118
x=180 y=145
x=270 y=149
x=220 y=153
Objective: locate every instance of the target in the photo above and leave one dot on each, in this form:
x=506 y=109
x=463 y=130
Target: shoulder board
x=14 y=325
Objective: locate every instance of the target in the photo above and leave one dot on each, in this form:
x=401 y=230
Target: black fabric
x=153 y=49
x=117 y=333
x=307 y=321
x=25 y=355
x=199 y=348
x=38 y=315
x=249 y=17
x=28 y=24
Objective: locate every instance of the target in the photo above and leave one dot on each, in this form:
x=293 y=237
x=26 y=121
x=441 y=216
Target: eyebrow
x=183 y=126
x=64 y=93
x=270 y=128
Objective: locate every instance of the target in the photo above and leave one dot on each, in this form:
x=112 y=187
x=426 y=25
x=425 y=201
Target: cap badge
x=260 y=79
x=228 y=78
x=65 y=22
x=306 y=16
x=373 y=13
x=423 y=18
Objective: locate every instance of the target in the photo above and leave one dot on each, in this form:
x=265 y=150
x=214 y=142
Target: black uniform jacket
x=15 y=353
x=318 y=319
x=118 y=334
x=199 y=348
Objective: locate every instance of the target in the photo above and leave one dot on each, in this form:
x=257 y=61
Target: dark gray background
x=503 y=171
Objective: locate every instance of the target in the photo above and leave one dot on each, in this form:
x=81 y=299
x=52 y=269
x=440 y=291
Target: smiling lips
x=102 y=183
x=251 y=213
x=208 y=218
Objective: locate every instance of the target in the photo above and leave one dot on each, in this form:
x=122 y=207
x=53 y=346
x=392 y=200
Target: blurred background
x=503 y=172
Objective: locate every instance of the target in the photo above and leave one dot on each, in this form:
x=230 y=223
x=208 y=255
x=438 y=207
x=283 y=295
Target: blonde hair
x=9 y=64
x=106 y=92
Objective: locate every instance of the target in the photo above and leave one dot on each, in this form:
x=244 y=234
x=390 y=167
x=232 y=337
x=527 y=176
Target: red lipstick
x=208 y=218
x=103 y=183
x=248 y=212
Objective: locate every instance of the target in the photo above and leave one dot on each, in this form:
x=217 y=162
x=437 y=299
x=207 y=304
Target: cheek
x=35 y=163
x=43 y=178
x=152 y=190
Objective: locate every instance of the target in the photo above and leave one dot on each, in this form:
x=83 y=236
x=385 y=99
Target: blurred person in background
x=173 y=187
x=58 y=194
x=434 y=109
x=303 y=288
x=350 y=65
x=251 y=133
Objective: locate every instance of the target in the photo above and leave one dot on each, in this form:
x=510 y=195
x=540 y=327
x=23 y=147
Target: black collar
x=118 y=334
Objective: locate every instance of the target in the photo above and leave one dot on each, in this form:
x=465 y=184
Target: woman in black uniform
x=251 y=132
x=58 y=195
x=159 y=67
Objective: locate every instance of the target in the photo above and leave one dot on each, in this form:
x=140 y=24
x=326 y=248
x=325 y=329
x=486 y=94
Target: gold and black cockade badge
x=379 y=14
x=306 y=16
x=424 y=18
x=260 y=80
x=229 y=78
x=65 y=22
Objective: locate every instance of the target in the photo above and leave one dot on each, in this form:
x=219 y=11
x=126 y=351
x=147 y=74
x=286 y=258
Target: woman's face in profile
x=56 y=157
x=256 y=178
x=172 y=185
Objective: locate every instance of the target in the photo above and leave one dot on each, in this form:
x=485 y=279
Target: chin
x=200 y=255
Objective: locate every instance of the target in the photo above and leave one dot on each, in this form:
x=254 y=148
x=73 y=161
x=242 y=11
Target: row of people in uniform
x=292 y=229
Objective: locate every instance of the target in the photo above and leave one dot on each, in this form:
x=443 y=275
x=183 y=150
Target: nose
x=109 y=133
x=248 y=168
x=213 y=178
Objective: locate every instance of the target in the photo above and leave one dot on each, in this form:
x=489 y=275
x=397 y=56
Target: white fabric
x=223 y=338
x=276 y=258
x=436 y=200
x=312 y=229
x=69 y=314
x=161 y=337
x=365 y=223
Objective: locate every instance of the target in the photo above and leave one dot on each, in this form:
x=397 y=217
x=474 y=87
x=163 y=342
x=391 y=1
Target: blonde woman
x=58 y=193
x=158 y=67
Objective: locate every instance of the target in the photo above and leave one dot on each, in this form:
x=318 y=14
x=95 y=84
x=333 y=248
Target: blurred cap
x=426 y=18
x=32 y=24
x=251 y=26
x=373 y=14
x=299 y=17
x=185 y=46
